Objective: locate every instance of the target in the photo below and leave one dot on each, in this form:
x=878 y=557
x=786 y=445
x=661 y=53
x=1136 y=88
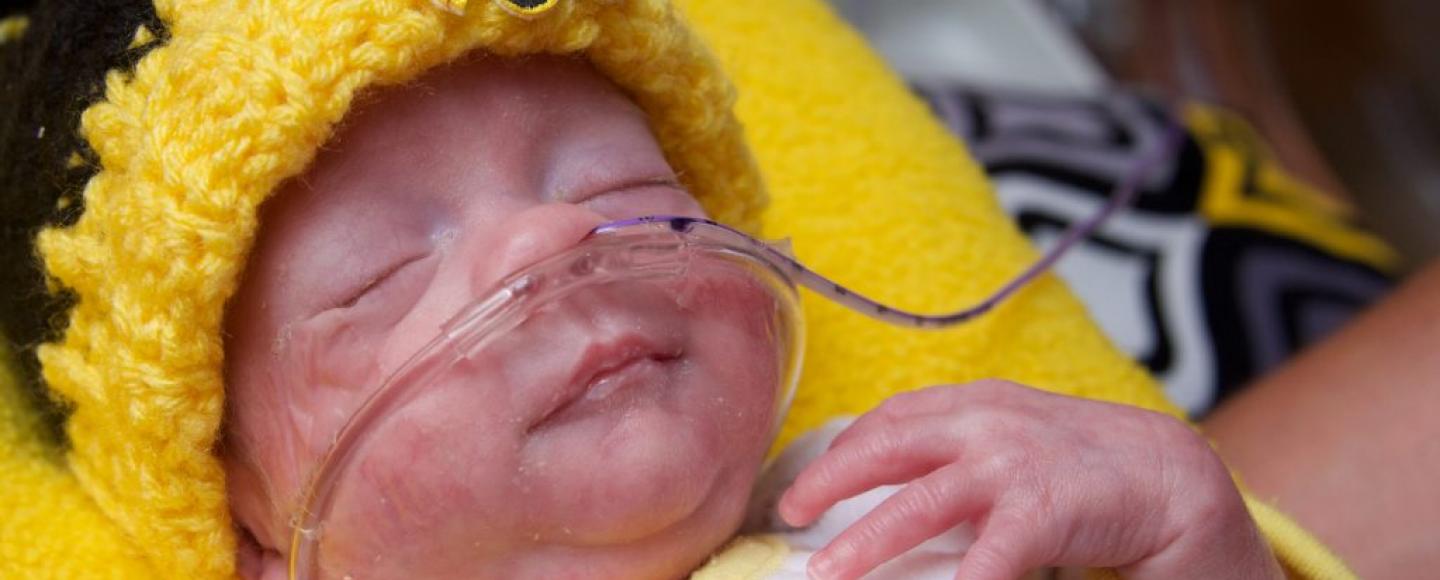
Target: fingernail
x=787 y=512
x=785 y=515
x=819 y=568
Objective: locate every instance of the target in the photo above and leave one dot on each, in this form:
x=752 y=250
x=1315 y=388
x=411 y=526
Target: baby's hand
x=1047 y=480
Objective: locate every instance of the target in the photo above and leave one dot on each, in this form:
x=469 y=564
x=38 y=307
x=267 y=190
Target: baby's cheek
x=432 y=490
x=739 y=342
x=739 y=356
x=327 y=367
x=329 y=352
x=289 y=401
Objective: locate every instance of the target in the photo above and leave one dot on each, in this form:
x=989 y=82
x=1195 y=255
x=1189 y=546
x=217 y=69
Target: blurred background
x=1346 y=93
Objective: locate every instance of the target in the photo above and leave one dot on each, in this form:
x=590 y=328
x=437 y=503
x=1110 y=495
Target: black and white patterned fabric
x=1191 y=280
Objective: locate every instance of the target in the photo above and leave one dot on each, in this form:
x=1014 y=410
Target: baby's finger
x=920 y=511
x=1005 y=550
x=896 y=456
x=900 y=409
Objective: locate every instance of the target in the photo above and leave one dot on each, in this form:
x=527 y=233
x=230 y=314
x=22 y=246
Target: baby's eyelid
x=377 y=280
x=627 y=185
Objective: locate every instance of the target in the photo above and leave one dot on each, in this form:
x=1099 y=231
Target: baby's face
x=614 y=434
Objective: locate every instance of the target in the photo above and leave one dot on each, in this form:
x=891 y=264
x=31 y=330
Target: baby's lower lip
x=625 y=386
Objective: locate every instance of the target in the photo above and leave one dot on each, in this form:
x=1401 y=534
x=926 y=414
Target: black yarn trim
x=49 y=77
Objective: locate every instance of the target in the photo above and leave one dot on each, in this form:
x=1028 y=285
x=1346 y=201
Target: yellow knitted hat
x=239 y=99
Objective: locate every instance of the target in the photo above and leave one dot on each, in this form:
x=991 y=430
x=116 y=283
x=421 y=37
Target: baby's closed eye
x=654 y=196
x=394 y=290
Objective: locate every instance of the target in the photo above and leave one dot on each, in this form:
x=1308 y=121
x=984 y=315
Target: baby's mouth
x=610 y=375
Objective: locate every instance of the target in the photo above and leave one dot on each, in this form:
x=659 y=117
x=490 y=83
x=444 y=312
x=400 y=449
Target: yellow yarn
x=38 y=495
x=239 y=99
x=142 y=37
x=452 y=6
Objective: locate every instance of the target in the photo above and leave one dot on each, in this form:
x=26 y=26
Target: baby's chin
x=631 y=471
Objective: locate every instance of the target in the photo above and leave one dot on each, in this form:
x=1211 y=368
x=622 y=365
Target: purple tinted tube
x=1123 y=194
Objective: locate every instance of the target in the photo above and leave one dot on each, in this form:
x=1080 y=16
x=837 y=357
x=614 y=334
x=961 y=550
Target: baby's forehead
x=473 y=114
x=483 y=117
x=460 y=148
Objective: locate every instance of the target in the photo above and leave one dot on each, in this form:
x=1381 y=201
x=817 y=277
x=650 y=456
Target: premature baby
x=431 y=193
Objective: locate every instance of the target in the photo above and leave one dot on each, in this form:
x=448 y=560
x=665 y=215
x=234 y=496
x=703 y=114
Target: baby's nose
x=530 y=236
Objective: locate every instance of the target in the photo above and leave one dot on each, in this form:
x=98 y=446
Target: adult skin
x=1344 y=437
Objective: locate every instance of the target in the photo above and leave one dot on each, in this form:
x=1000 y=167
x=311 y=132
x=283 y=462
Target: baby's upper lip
x=604 y=357
x=601 y=357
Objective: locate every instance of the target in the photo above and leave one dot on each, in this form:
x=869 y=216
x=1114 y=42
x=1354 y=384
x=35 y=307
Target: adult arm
x=1346 y=437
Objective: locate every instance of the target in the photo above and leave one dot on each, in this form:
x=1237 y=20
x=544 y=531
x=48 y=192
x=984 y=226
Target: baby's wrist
x=1213 y=533
x=1229 y=550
